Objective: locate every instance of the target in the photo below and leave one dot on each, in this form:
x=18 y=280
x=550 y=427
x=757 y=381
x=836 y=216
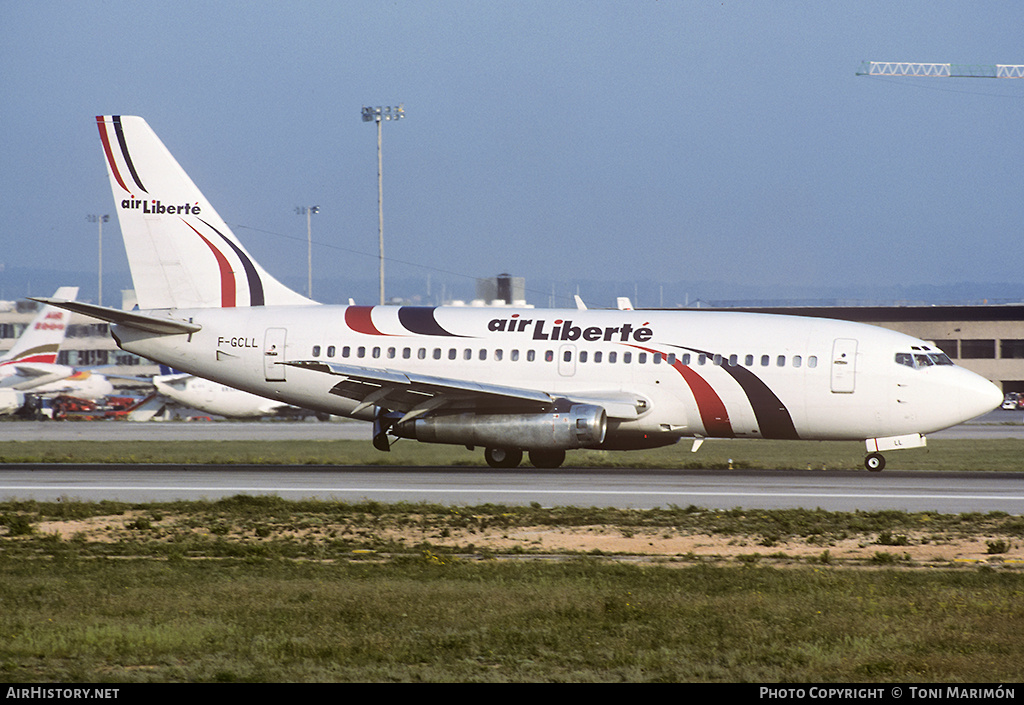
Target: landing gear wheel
x=547 y=458
x=875 y=462
x=503 y=457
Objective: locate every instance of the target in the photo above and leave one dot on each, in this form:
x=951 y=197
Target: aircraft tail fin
x=41 y=341
x=181 y=254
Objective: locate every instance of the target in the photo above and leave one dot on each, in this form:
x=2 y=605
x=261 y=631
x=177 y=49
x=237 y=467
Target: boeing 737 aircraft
x=533 y=380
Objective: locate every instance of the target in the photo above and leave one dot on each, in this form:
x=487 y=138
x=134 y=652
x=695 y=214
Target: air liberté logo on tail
x=565 y=330
x=156 y=207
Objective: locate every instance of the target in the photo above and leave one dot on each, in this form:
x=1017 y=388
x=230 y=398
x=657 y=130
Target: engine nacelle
x=581 y=426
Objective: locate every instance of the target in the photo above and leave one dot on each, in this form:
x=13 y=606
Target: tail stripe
x=109 y=153
x=253 y=277
x=124 y=152
x=227 y=275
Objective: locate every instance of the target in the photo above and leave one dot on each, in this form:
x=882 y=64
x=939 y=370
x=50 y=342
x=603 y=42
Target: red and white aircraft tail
x=33 y=359
x=181 y=253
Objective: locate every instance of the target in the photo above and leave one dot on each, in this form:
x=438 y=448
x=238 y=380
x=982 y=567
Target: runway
x=623 y=488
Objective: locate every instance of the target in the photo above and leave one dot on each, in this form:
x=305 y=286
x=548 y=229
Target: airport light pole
x=308 y=211
x=100 y=219
x=379 y=115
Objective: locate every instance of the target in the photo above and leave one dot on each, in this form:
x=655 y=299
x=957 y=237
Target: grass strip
x=1001 y=455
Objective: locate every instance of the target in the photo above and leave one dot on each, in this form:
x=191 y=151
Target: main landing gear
x=511 y=457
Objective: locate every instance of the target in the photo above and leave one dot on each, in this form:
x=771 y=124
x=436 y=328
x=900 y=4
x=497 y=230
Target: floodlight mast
x=380 y=114
x=100 y=219
x=308 y=211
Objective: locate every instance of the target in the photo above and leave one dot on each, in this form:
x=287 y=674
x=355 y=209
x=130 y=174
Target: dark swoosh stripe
x=253 y=277
x=420 y=320
x=772 y=415
x=773 y=418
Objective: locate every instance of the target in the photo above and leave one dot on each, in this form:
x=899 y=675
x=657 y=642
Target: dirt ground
x=663 y=543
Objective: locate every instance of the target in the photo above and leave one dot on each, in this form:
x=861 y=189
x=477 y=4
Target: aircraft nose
x=977 y=396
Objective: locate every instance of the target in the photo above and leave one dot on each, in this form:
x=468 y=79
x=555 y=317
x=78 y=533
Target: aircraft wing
x=416 y=394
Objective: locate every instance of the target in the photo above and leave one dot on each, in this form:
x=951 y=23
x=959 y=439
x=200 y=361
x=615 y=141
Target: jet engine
x=579 y=426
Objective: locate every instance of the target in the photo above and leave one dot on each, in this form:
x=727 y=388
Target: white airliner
x=32 y=362
x=82 y=384
x=541 y=381
x=214 y=398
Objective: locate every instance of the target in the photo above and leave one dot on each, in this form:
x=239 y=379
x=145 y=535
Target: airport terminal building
x=988 y=340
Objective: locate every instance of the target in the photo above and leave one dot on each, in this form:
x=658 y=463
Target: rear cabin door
x=844 y=365
x=273 y=354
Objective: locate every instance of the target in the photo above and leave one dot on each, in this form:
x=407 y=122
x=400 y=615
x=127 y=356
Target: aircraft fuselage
x=686 y=373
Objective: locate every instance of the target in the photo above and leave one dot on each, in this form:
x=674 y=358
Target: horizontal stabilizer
x=130 y=319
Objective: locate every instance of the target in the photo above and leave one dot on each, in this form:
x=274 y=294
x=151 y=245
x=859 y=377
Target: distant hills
x=19 y=282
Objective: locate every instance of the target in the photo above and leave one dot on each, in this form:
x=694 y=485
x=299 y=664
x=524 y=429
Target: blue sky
x=566 y=142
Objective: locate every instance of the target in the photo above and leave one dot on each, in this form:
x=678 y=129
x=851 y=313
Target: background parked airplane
x=192 y=392
x=32 y=362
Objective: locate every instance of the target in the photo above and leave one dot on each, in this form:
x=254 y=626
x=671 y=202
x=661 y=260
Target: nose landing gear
x=875 y=462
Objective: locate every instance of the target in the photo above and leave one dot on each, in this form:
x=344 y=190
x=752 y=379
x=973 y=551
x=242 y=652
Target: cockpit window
x=919 y=360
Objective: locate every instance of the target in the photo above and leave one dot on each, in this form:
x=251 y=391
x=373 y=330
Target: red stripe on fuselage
x=358 y=319
x=713 y=413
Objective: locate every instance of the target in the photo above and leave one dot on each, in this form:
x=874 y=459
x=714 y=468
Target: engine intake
x=580 y=426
